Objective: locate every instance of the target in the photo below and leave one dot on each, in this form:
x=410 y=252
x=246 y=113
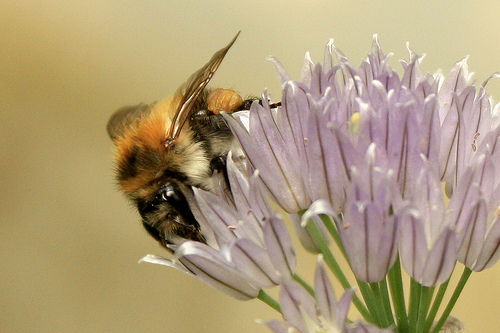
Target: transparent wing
x=124 y=118
x=189 y=92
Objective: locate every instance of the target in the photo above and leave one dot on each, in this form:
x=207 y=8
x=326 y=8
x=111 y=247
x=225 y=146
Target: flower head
x=324 y=314
x=425 y=129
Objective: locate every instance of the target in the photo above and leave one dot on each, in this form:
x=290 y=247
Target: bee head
x=166 y=214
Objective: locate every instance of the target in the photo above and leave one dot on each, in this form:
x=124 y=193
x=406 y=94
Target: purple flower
x=428 y=244
x=480 y=187
x=269 y=147
x=369 y=230
x=304 y=314
x=466 y=118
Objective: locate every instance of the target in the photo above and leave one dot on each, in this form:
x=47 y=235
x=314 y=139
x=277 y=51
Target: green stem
x=398 y=297
x=304 y=284
x=379 y=302
x=435 y=305
x=453 y=300
x=415 y=290
x=370 y=301
x=332 y=229
x=384 y=292
x=264 y=297
x=335 y=268
x=423 y=308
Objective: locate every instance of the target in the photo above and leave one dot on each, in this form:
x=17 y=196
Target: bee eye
x=170 y=194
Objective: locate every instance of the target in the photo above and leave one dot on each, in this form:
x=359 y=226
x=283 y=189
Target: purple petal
x=254 y=261
x=455 y=82
x=304 y=236
x=207 y=265
x=459 y=214
x=440 y=260
x=220 y=217
x=292 y=116
x=307 y=70
x=369 y=229
x=343 y=307
x=295 y=303
x=327 y=173
x=428 y=258
x=413 y=74
x=280 y=327
x=317 y=207
x=280 y=70
x=280 y=248
x=369 y=237
x=490 y=251
x=452 y=325
x=412 y=242
x=328 y=62
x=335 y=312
x=474 y=235
x=154 y=259
x=325 y=296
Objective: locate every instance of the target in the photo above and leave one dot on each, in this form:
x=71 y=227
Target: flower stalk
x=395 y=279
x=304 y=284
x=264 y=297
x=435 y=305
x=453 y=300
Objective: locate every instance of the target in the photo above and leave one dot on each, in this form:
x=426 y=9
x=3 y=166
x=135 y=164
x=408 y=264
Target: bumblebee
x=164 y=149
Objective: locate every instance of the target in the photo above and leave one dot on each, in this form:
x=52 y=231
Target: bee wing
x=124 y=118
x=189 y=92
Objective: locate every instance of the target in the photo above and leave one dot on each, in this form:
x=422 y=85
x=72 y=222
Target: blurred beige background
x=69 y=241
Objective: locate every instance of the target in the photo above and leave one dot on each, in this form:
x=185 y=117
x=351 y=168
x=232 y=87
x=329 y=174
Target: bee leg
x=218 y=164
x=202 y=113
x=248 y=103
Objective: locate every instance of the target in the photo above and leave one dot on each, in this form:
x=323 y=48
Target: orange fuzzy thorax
x=145 y=140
